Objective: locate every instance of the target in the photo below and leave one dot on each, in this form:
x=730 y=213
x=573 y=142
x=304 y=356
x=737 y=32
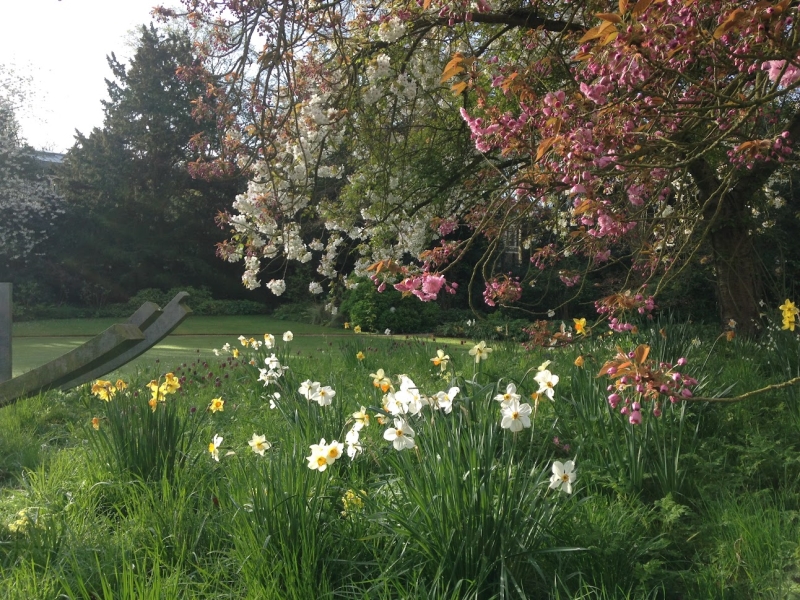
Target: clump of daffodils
x=105 y=390
x=324 y=454
x=789 y=313
x=160 y=390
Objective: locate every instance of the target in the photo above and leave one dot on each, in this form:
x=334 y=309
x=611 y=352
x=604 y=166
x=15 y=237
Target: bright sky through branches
x=62 y=46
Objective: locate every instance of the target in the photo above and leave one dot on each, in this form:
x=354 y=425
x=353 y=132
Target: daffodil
x=440 y=360
x=509 y=395
x=361 y=416
x=320 y=458
x=288 y=336
x=401 y=435
x=217 y=405
x=357 y=329
x=308 y=388
x=790 y=312
x=444 y=400
x=95 y=423
x=360 y=355
x=547 y=381
x=269 y=340
x=379 y=380
x=516 y=416
x=354 y=447
x=259 y=444
x=323 y=395
x=213 y=447
x=346 y=325
x=120 y=385
x=103 y=389
x=480 y=351
x=235 y=353
x=579 y=362
x=171 y=383
x=563 y=476
x=580 y=326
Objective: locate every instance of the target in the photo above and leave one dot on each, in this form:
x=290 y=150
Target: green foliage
x=378 y=311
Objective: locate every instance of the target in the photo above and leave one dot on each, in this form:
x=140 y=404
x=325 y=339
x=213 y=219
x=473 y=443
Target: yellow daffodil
x=580 y=326
x=217 y=405
x=235 y=353
x=360 y=355
x=790 y=312
x=120 y=385
x=379 y=380
x=346 y=325
x=357 y=328
x=579 y=362
x=104 y=390
x=152 y=403
x=171 y=383
x=95 y=423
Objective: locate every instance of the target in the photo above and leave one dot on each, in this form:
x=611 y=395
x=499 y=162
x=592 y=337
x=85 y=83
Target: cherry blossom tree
x=28 y=200
x=405 y=134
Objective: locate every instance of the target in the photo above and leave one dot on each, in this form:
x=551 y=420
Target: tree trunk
x=736 y=266
x=735 y=260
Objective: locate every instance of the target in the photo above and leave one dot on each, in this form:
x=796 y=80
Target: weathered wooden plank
x=102 y=348
x=154 y=331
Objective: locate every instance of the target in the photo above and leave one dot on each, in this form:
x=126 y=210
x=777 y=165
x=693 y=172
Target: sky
x=61 y=45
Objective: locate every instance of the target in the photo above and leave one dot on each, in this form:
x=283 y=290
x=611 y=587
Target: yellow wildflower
x=217 y=405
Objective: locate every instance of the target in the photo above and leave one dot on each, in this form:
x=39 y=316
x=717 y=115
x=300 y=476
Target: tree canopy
x=580 y=135
x=152 y=223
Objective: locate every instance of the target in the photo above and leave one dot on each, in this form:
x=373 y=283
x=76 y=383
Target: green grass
x=35 y=343
x=703 y=502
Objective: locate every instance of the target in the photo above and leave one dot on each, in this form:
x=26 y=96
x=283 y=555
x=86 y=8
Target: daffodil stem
x=774 y=386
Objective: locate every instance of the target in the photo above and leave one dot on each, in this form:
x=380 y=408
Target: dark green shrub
x=378 y=311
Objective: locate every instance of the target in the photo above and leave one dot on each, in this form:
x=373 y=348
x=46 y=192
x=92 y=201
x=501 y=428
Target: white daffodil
x=480 y=351
x=509 y=395
x=444 y=400
x=322 y=395
x=563 y=476
x=213 y=447
x=516 y=416
x=269 y=340
x=308 y=388
x=272 y=362
x=259 y=444
x=318 y=460
x=288 y=336
x=547 y=381
x=354 y=447
x=401 y=435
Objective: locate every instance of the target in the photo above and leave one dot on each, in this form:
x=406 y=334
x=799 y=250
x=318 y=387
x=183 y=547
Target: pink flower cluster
x=642 y=384
x=426 y=286
x=503 y=290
